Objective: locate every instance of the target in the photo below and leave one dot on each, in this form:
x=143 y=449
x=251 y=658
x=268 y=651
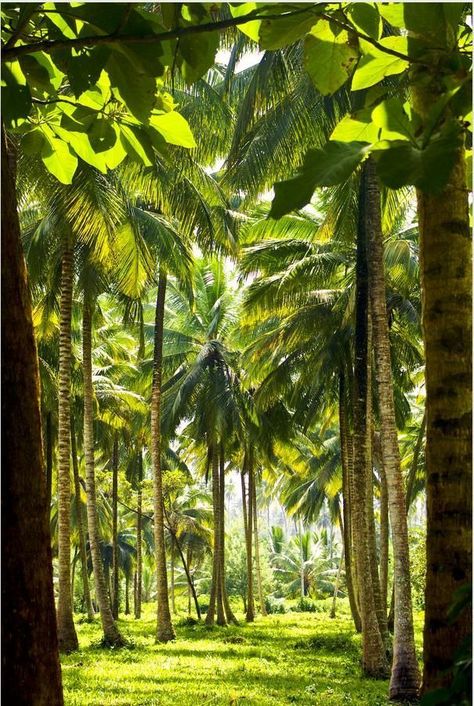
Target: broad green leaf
x=36 y=74
x=136 y=90
x=16 y=97
x=102 y=135
x=428 y=169
x=328 y=57
x=79 y=141
x=114 y=156
x=173 y=128
x=375 y=64
x=331 y=165
x=198 y=53
x=251 y=29
x=59 y=160
x=287 y=29
x=359 y=128
x=134 y=142
x=392 y=12
x=366 y=18
x=392 y=119
x=32 y=142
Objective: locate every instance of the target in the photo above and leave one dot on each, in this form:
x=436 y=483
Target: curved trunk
x=66 y=631
x=138 y=587
x=187 y=571
x=225 y=598
x=115 y=546
x=346 y=524
x=374 y=661
x=446 y=280
x=257 y=554
x=250 y=615
x=405 y=677
x=80 y=527
x=112 y=635
x=30 y=662
x=164 y=629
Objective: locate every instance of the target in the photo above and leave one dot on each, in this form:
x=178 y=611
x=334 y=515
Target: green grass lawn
x=295 y=658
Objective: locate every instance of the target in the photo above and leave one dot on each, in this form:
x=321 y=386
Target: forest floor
x=293 y=658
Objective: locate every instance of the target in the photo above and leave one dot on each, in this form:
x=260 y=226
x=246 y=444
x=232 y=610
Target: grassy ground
x=295 y=658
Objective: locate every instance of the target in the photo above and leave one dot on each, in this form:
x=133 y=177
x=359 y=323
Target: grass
x=295 y=658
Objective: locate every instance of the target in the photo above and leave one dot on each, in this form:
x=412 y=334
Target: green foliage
x=329 y=59
x=417 y=539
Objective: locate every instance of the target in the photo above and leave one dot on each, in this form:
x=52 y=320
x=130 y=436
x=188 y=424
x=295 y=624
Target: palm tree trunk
x=164 y=629
x=225 y=598
x=384 y=539
x=257 y=554
x=31 y=673
x=218 y=521
x=80 y=527
x=172 y=586
x=250 y=615
x=446 y=280
x=138 y=588
x=215 y=568
x=127 y=594
x=405 y=676
x=49 y=458
x=115 y=546
x=332 y=614
x=66 y=631
x=346 y=504
x=299 y=529
x=187 y=571
x=374 y=660
x=112 y=635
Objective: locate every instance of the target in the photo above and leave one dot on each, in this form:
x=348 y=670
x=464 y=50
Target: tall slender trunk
x=164 y=629
x=66 y=631
x=127 y=593
x=374 y=660
x=299 y=530
x=220 y=610
x=215 y=507
x=115 y=546
x=346 y=524
x=138 y=588
x=30 y=661
x=446 y=280
x=332 y=614
x=112 y=635
x=187 y=570
x=172 y=584
x=405 y=676
x=225 y=598
x=80 y=527
x=384 y=538
x=49 y=458
x=250 y=615
x=261 y=599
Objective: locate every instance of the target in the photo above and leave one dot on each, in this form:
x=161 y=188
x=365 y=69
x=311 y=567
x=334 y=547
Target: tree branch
x=48 y=45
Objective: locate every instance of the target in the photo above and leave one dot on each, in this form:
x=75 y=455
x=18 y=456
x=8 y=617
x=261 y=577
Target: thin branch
x=49 y=45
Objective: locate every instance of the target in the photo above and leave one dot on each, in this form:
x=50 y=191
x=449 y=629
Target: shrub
x=274 y=605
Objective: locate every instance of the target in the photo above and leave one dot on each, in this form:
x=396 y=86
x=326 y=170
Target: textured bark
x=80 y=527
x=405 y=676
x=30 y=662
x=164 y=629
x=66 y=631
x=374 y=661
x=230 y=617
x=216 y=606
x=112 y=635
x=250 y=615
x=446 y=281
x=258 y=572
x=346 y=504
x=49 y=458
x=115 y=546
x=138 y=587
x=384 y=539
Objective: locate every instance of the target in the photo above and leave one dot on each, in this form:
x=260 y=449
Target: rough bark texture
x=164 y=629
x=384 y=539
x=66 y=631
x=374 y=661
x=112 y=635
x=225 y=598
x=346 y=505
x=250 y=615
x=30 y=662
x=261 y=598
x=115 y=546
x=138 y=587
x=405 y=676
x=446 y=280
x=80 y=527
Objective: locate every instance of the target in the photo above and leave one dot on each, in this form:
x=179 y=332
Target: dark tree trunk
x=374 y=660
x=80 y=527
x=258 y=572
x=49 y=458
x=30 y=662
x=138 y=586
x=115 y=546
x=225 y=598
x=250 y=615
